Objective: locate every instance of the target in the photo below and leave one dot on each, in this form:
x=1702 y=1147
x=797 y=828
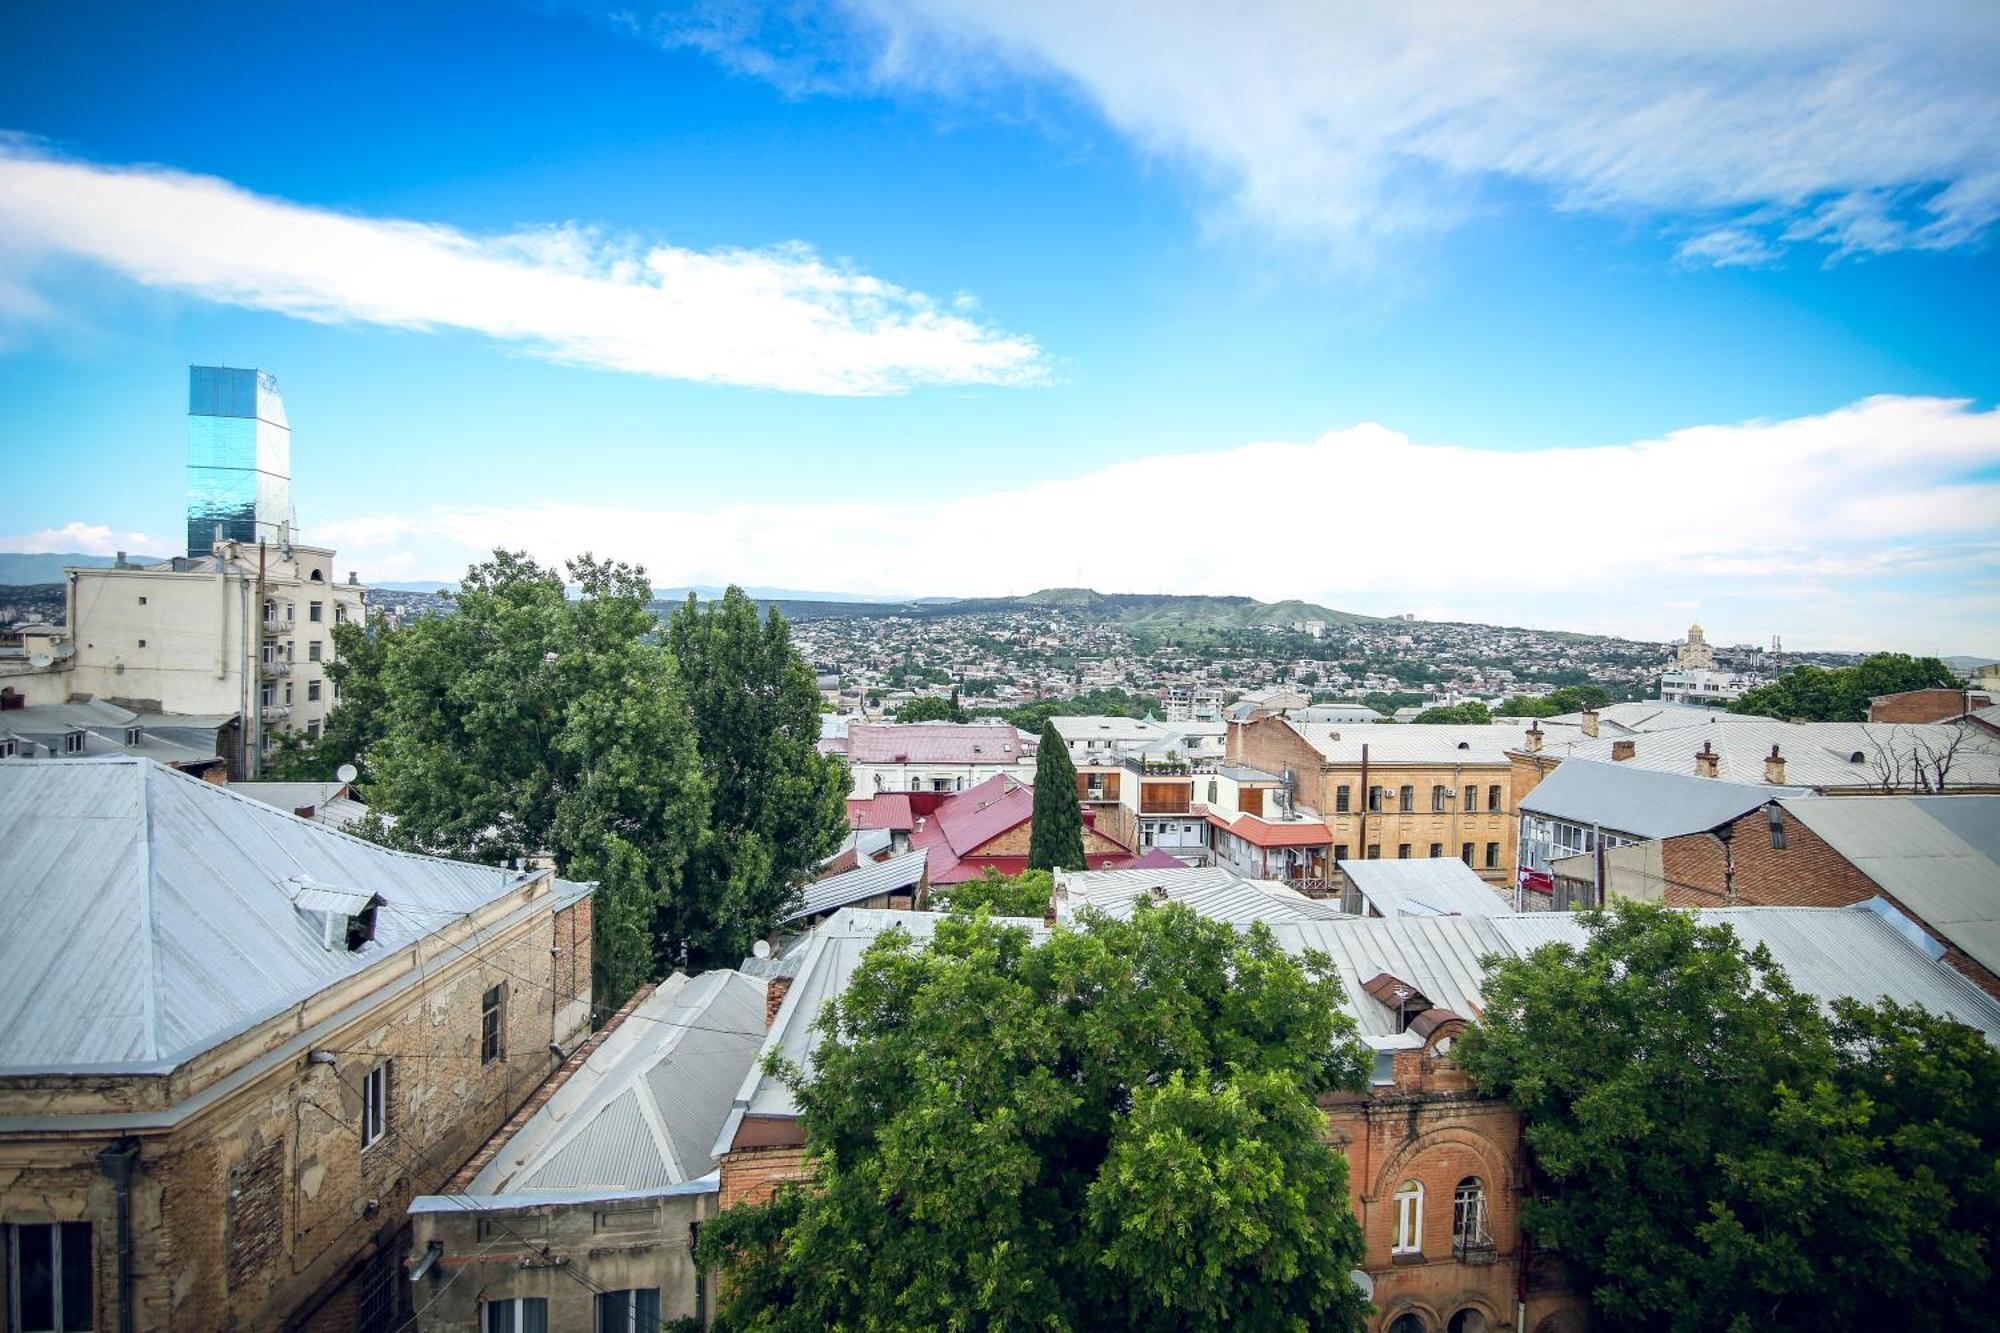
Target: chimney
x=353 y=578
x=1534 y=738
x=774 y=996
x=1707 y=762
x=1623 y=750
x=1774 y=767
x=1590 y=723
x=1158 y=893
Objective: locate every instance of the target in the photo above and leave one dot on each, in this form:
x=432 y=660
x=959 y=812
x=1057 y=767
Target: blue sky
x=1570 y=322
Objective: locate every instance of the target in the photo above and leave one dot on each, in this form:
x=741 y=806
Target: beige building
x=1395 y=792
x=246 y=630
x=235 y=1044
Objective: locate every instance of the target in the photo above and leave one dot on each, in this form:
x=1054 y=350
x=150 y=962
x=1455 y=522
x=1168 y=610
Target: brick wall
x=1925 y=705
x=749 y=1175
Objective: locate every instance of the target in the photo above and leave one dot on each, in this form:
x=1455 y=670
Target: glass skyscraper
x=239 y=458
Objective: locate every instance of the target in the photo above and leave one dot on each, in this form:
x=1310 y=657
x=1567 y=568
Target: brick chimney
x=1534 y=738
x=1590 y=723
x=1623 y=750
x=1774 y=767
x=1707 y=764
x=774 y=996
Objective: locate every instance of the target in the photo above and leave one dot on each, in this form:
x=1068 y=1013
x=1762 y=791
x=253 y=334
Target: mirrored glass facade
x=239 y=458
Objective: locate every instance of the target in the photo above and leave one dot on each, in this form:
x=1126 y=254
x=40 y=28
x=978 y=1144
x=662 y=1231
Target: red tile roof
x=968 y=820
x=933 y=743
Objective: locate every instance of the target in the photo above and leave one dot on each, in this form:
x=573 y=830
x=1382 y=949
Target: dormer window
x=131 y=735
x=73 y=742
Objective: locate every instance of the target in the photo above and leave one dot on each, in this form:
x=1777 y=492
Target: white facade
x=873 y=779
x=248 y=630
x=1703 y=687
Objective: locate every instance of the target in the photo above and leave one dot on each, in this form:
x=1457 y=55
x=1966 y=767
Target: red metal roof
x=1263 y=833
x=890 y=810
x=933 y=743
x=968 y=820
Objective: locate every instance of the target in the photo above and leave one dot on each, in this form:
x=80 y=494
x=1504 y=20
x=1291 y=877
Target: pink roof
x=890 y=810
x=978 y=815
x=1155 y=859
x=933 y=743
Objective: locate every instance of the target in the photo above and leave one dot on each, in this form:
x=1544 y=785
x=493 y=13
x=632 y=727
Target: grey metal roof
x=1819 y=755
x=831 y=957
x=189 y=888
x=167 y=737
x=870 y=879
x=1215 y=892
x=1644 y=802
x=1939 y=856
x=1356 y=713
x=1411 y=743
x=1826 y=952
x=645 y=1108
x=1424 y=886
x=1439 y=955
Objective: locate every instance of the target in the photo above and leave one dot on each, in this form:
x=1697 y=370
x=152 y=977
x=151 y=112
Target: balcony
x=1474 y=1249
x=274 y=626
x=275 y=712
x=274 y=667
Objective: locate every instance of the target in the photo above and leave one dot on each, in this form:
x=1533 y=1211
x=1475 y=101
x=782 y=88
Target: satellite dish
x=761 y=949
x=1365 y=1282
x=42 y=660
x=347 y=772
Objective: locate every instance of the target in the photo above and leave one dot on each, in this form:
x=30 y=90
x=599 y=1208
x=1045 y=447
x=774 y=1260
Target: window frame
x=10 y=1256
x=493 y=1024
x=516 y=1307
x=1468 y=1200
x=1492 y=856
x=1406 y=799
x=374 y=1105
x=633 y=1319
x=1406 y=1235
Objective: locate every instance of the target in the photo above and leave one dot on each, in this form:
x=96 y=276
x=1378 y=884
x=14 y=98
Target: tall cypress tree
x=1057 y=837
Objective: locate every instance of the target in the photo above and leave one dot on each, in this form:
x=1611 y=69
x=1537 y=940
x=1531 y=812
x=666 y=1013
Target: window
x=1409 y=1218
x=1465 y=852
x=340 y=615
x=1469 y=1320
x=1407 y=1322
x=1494 y=800
x=312 y=691
x=142 y=601
x=374 y=1104
x=1439 y=796
x=517 y=1314
x=1340 y=851
x=1374 y=851
x=265 y=695
x=1492 y=856
x=376 y=1291
x=1468 y=1214
x=1342 y=799
x=493 y=1023
x=629 y=1311
x=72 y=742
x=314 y=612
x=312 y=651
x=1402 y=851
x=288 y=692
x=142 y=643
x=1471 y=800
x=1437 y=850
x=9 y=748
x=48 y=1277
x=312 y=729
x=1406 y=799
x=1374 y=799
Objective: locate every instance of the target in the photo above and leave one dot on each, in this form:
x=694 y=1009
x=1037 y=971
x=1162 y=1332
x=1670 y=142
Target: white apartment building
x=245 y=630
x=1704 y=686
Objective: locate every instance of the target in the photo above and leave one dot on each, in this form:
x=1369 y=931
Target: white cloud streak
x=1860 y=125
x=1785 y=526
x=79 y=538
x=778 y=318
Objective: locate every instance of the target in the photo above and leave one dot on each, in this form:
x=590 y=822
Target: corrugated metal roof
x=1411 y=743
x=1439 y=955
x=185 y=885
x=934 y=743
x=645 y=1108
x=1644 y=802
x=1425 y=886
x=870 y=879
x=1819 y=755
x=1215 y=892
x=1939 y=856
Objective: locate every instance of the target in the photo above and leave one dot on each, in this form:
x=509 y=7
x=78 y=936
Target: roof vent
x=1465 y=745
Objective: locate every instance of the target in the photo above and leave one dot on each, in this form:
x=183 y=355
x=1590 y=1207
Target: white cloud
x=1864 y=125
x=1787 y=526
x=780 y=318
x=79 y=538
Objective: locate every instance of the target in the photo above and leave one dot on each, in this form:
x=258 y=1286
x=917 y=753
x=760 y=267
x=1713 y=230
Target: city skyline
x=968 y=303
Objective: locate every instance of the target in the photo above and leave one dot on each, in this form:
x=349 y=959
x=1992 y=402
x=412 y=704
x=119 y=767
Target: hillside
x=1136 y=610
x=18 y=568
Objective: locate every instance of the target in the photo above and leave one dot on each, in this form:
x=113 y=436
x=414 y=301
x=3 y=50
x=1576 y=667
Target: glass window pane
x=535 y=1315
x=76 y=1275
x=35 y=1275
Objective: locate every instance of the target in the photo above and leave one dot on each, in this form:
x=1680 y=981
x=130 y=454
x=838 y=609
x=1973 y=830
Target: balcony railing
x=276 y=666
x=1474 y=1249
x=275 y=712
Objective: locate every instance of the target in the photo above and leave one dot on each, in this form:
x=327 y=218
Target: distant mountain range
x=20 y=569
x=1136 y=610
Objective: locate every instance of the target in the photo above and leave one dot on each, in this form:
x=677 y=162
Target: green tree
x=777 y=806
x=1841 y=694
x=360 y=710
x=1025 y=894
x=527 y=722
x=1091 y=703
x=931 y=708
x=1716 y=1153
x=1116 y=1129
x=1469 y=712
x=1055 y=838
x=1564 y=699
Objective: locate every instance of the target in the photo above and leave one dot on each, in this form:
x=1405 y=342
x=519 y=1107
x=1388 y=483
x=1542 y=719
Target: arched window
x=1468 y=1214
x=1407 y=1322
x=1409 y=1216
x=1469 y=1320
